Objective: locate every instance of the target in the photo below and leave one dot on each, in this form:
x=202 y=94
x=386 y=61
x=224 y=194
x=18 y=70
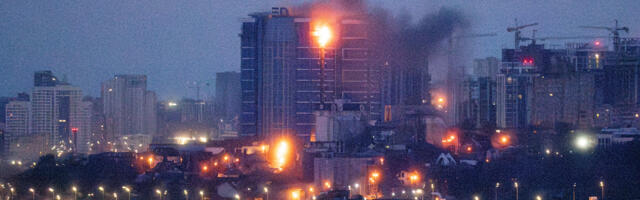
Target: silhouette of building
x=129 y=108
x=228 y=90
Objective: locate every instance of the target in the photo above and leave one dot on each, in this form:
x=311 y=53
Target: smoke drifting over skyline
x=399 y=40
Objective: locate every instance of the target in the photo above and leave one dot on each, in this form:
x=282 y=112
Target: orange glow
x=504 y=139
x=451 y=138
x=311 y=189
x=295 y=194
x=237 y=160
x=469 y=149
x=215 y=164
x=327 y=184
x=382 y=161
x=150 y=161
x=226 y=158
x=439 y=100
x=375 y=174
x=282 y=152
x=323 y=35
x=205 y=168
x=263 y=148
x=414 y=177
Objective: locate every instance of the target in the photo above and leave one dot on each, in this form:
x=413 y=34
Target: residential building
x=281 y=79
x=129 y=108
x=227 y=100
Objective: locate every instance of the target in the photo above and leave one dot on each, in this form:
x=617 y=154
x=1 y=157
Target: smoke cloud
x=399 y=40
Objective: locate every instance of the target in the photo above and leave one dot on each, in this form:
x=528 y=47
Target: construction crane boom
x=570 y=37
x=615 y=31
x=517 y=30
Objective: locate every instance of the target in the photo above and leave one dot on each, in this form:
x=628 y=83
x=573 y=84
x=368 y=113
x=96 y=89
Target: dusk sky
x=173 y=42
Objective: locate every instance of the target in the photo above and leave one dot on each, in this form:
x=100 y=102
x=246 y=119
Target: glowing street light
x=201 y=195
x=159 y=194
x=75 y=192
x=128 y=190
x=266 y=191
x=538 y=197
x=516 y=186
x=237 y=196
x=583 y=142
x=101 y=190
x=53 y=193
x=33 y=193
x=497 y=186
x=115 y=195
x=186 y=194
x=602 y=188
x=574 y=191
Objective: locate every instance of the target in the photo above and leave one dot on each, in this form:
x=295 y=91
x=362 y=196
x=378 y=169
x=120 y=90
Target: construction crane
x=196 y=85
x=614 y=31
x=517 y=32
x=570 y=38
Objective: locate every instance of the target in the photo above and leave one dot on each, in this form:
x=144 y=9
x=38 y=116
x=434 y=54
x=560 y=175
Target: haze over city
x=176 y=42
x=320 y=100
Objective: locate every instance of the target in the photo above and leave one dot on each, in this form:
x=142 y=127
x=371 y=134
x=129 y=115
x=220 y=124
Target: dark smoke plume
x=399 y=40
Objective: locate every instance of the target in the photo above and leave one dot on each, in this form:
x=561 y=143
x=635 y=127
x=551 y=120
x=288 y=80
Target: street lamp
x=574 y=191
x=101 y=190
x=159 y=193
x=602 y=188
x=538 y=197
x=75 y=192
x=33 y=193
x=128 y=191
x=433 y=187
x=236 y=196
x=497 y=186
x=186 y=194
x=476 y=197
x=201 y=195
x=53 y=193
x=516 y=185
x=115 y=195
x=266 y=191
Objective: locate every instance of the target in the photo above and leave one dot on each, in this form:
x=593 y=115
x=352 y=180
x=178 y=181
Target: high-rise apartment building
x=129 y=108
x=56 y=113
x=280 y=72
x=17 y=125
x=227 y=102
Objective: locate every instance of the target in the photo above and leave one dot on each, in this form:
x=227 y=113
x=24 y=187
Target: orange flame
x=323 y=35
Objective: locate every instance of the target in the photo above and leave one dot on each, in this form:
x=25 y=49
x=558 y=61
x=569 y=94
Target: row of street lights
x=538 y=197
x=102 y=190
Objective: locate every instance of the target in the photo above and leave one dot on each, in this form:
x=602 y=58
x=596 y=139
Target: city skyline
x=320 y=100
x=177 y=44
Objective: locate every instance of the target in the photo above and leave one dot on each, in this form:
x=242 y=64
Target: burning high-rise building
x=281 y=71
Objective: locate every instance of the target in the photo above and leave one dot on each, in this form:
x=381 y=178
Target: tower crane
x=517 y=30
x=615 y=31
